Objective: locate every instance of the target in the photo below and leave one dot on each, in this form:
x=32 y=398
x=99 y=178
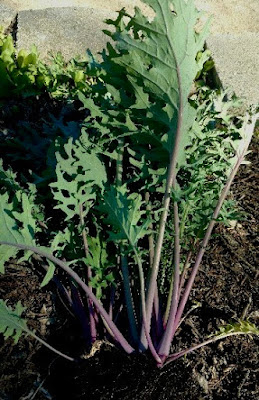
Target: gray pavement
x=237 y=63
x=234 y=38
x=7 y=15
x=68 y=30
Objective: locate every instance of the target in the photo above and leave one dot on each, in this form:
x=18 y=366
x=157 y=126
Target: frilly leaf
x=160 y=59
x=17 y=226
x=124 y=214
x=11 y=322
x=239 y=327
x=77 y=175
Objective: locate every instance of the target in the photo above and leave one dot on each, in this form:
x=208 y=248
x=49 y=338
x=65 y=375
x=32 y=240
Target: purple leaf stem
x=183 y=274
x=248 y=131
x=170 y=184
x=117 y=334
x=158 y=316
x=89 y=276
x=144 y=313
x=79 y=311
x=129 y=300
x=182 y=353
x=60 y=287
x=156 y=310
x=164 y=346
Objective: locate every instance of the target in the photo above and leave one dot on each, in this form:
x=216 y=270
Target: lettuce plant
x=137 y=195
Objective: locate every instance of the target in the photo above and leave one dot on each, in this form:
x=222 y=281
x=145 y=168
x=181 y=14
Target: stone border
x=72 y=30
x=8 y=17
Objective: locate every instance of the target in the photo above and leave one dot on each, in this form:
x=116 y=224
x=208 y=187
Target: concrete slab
x=69 y=30
x=111 y=5
x=7 y=16
x=231 y=16
x=236 y=60
x=233 y=41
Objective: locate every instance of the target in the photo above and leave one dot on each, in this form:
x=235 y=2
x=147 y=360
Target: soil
x=226 y=289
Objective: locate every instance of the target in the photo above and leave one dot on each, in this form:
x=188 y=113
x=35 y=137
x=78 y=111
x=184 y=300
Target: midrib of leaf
x=15 y=322
x=154 y=83
x=171 y=182
x=177 y=69
x=153 y=55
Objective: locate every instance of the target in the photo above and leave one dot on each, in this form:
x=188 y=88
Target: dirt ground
x=226 y=289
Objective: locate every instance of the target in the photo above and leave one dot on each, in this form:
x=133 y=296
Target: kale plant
x=137 y=195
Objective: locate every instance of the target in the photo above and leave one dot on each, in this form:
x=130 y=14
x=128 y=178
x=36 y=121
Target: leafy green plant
x=24 y=74
x=137 y=195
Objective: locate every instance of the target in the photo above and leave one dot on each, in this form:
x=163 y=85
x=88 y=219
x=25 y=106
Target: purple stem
x=129 y=299
x=81 y=314
x=170 y=184
x=158 y=316
x=183 y=275
x=60 y=287
x=164 y=346
x=117 y=334
x=248 y=131
x=144 y=313
x=89 y=276
x=174 y=356
x=157 y=312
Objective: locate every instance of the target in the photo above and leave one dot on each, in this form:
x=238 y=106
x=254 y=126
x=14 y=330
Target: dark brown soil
x=226 y=288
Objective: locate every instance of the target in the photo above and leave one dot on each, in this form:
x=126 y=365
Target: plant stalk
x=170 y=184
x=89 y=276
x=49 y=346
x=157 y=311
x=248 y=131
x=182 y=353
x=183 y=274
x=129 y=300
x=164 y=346
x=122 y=260
x=144 y=313
x=117 y=334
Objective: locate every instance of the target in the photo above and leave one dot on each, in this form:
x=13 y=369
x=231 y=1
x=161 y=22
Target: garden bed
x=113 y=176
x=226 y=287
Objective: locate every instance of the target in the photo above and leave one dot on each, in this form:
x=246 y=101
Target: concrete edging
x=72 y=30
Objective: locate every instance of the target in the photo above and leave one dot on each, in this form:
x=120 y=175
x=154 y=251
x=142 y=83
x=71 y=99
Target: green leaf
x=49 y=275
x=8 y=179
x=98 y=257
x=160 y=58
x=124 y=214
x=98 y=261
x=77 y=176
x=11 y=322
x=17 y=226
x=239 y=327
